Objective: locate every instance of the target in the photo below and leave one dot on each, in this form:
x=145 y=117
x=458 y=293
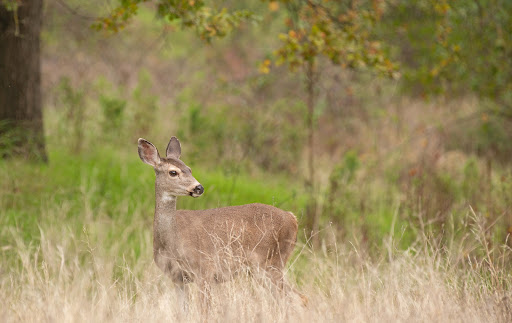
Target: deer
x=213 y=245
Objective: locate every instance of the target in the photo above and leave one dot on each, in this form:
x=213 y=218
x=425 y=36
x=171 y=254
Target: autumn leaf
x=264 y=67
x=273 y=6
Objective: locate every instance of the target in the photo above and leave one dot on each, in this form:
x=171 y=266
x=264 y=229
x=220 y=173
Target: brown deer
x=210 y=246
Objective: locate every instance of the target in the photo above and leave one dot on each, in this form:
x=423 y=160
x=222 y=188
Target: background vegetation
x=389 y=123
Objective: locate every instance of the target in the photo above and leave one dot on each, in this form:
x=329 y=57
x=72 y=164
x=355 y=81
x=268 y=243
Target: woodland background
x=384 y=126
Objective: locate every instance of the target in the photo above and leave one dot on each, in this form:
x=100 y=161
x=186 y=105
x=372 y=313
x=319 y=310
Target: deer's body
x=213 y=245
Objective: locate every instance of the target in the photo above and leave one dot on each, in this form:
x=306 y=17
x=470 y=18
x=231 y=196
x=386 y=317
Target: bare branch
x=75 y=12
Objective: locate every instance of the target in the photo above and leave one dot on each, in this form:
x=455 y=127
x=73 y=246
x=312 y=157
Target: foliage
x=113 y=109
x=340 y=31
x=459 y=47
x=145 y=103
x=271 y=141
x=73 y=101
x=207 y=21
x=10 y=138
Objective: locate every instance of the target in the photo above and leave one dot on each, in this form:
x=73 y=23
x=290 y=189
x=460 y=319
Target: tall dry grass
x=64 y=278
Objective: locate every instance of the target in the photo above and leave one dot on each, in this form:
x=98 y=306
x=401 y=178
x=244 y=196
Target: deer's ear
x=174 y=148
x=148 y=153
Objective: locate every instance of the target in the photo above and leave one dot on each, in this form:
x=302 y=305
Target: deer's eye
x=173 y=173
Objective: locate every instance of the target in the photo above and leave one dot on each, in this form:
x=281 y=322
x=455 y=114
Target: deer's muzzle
x=198 y=190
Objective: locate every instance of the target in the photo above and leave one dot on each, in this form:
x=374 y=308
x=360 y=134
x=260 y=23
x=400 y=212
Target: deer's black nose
x=199 y=189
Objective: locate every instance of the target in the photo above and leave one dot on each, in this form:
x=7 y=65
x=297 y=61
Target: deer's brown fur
x=213 y=245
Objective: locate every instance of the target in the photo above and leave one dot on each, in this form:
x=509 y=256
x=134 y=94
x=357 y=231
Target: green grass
x=109 y=195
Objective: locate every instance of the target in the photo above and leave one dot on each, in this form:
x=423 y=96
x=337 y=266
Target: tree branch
x=75 y=12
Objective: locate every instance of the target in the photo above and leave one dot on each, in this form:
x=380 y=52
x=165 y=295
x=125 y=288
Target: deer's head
x=173 y=177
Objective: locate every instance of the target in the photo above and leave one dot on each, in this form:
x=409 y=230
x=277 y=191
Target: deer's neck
x=164 y=225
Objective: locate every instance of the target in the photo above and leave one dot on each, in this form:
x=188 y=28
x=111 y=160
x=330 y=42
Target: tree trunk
x=312 y=222
x=21 y=119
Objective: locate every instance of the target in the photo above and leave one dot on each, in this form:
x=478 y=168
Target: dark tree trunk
x=21 y=119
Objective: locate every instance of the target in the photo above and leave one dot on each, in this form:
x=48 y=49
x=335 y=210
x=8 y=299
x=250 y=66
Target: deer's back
x=260 y=234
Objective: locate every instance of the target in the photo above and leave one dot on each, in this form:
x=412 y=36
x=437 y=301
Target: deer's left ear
x=174 y=148
x=148 y=153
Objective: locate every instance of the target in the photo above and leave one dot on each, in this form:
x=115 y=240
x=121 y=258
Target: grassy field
x=76 y=246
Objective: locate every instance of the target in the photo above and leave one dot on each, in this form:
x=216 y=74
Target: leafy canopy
x=341 y=31
x=207 y=21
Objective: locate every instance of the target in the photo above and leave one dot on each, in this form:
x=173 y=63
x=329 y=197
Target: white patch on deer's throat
x=166 y=197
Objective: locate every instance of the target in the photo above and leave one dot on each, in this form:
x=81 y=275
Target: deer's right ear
x=148 y=153
x=173 y=148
